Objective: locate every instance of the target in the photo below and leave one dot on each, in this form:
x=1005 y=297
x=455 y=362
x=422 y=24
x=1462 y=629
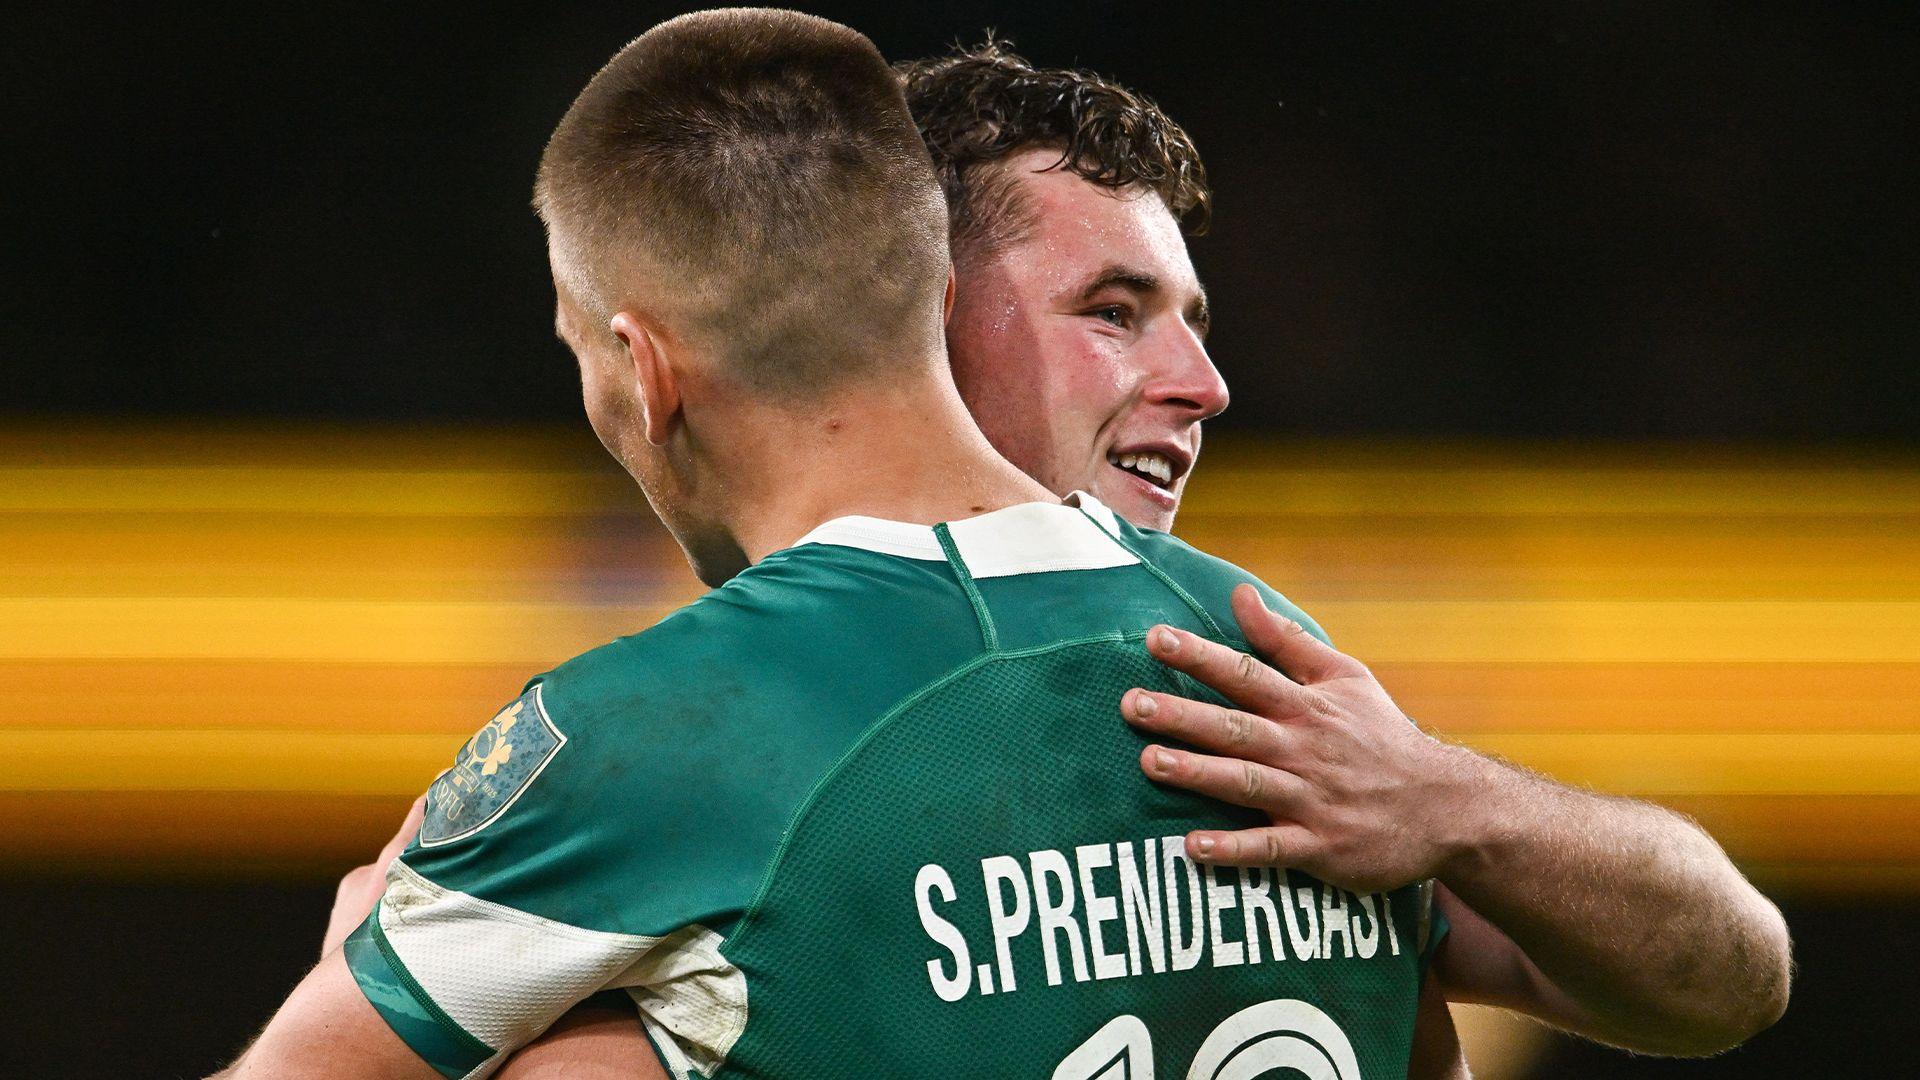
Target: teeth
x=1147 y=464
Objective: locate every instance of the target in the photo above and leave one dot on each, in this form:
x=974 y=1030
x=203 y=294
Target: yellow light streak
x=204 y=631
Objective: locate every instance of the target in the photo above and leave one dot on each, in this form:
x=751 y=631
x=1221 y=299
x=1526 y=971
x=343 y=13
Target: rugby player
x=1048 y=386
x=1547 y=889
x=864 y=809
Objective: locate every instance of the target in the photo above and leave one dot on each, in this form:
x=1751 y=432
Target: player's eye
x=1113 y=314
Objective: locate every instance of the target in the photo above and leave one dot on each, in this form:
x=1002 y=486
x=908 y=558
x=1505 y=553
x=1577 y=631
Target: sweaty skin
x=1085 y=340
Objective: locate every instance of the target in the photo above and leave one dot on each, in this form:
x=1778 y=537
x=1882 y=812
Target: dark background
x=1557 y=220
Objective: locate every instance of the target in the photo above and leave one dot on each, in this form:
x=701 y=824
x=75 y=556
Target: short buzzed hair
x=756 y=174
x=978 y=106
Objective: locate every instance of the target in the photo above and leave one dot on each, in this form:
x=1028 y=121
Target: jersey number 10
x=1282 y=1034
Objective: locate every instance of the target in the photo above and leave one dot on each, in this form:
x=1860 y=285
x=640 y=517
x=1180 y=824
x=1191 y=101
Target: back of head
x=976 y=107
x=753 y=179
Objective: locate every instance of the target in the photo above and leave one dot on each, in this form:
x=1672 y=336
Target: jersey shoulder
x=644 y=784
x=1211 y=580
x=628 y=804
x=812 y=625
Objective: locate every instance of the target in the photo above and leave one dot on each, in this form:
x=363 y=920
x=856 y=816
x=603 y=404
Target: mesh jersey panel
x=1014 y=755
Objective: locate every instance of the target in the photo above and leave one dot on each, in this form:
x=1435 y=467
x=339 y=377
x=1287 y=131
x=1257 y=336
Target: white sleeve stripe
x=502 y=974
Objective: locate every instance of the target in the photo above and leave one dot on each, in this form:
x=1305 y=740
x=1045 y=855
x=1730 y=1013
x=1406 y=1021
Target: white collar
x=1029 y=538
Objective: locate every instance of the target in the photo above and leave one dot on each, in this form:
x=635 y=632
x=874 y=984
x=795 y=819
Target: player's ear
x=655 y=385
x=946 y=306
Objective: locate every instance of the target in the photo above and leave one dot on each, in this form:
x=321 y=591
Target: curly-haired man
x=1064 y=190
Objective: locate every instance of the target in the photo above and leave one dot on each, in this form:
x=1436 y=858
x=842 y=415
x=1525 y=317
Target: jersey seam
x=641 y=943
x=989 y=634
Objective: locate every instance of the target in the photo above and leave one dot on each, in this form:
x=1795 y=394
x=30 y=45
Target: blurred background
x=1573 y=356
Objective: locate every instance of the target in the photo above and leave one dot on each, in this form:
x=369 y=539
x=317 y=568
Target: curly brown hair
x=978 y=106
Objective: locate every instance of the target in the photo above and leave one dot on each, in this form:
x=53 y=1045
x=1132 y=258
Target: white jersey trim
x=502 y=974
x=1031 y=538
x=505 y=975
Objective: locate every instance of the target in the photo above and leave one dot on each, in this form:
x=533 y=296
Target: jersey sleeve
x=498 y=917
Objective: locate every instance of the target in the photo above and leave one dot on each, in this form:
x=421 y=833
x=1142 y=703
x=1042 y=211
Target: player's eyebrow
x=1126 y=277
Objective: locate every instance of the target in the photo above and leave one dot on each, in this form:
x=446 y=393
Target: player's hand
x=1355 y=794
x=360 y=889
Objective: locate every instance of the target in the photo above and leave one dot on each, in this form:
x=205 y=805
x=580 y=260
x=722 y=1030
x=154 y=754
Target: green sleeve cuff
x=421 y=1024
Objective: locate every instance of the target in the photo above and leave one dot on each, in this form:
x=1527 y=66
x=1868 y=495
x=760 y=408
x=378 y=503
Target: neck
x=909 y=452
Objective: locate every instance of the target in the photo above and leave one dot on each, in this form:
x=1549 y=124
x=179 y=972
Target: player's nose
x=1185 y=378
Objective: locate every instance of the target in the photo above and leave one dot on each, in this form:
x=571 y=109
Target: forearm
x=327 y=1030
x=589 y=1043
x=1613 y=918
x=1630 y=910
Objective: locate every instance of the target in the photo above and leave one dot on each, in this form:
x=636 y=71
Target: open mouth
x=1155 y=468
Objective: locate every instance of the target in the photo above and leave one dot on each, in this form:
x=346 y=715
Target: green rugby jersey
x=870 y=809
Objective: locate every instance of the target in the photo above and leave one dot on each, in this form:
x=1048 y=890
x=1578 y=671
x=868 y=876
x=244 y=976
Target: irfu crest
x=491 y=771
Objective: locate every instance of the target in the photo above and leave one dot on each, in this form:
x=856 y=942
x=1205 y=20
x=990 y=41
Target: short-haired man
x=862 y=809
x=1075 y=340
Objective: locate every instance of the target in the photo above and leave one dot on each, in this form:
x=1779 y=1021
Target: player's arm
x=593 y=1042
x=1559 y=889
x=1627 y=911
x=513 y=904
x=328 y=1029
x=361 y=887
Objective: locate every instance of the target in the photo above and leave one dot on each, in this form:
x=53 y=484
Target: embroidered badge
x=492 y=770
